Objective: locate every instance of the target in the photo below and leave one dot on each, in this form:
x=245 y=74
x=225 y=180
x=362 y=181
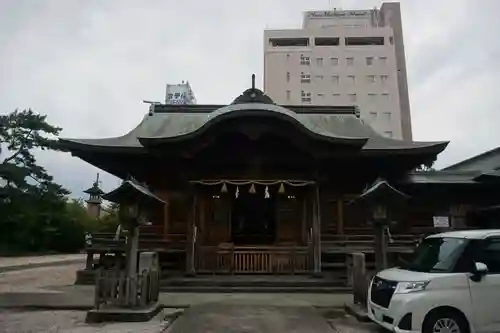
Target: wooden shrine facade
x=254 y=187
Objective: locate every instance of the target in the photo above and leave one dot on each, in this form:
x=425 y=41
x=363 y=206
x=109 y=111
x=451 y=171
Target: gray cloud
x=89 y=64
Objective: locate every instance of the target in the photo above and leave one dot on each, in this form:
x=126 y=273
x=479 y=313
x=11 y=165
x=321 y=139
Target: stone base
x=357 y=311
x=123 y=314
x=85 y=277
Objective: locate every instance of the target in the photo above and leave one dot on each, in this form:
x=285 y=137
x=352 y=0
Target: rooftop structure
x=179 y=94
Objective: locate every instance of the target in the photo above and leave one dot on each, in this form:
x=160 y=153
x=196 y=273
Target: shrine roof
x=441 y=177
x=171 y=123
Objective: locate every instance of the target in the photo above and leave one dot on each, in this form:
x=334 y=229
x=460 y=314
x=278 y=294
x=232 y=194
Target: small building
x=255 y=187
x=180 y=94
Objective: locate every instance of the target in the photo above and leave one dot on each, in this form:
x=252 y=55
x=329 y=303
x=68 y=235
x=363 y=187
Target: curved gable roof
x=342 y=128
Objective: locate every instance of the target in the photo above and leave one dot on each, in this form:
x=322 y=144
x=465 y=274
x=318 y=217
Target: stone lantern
x=379 y=199
x=132 y=291
x=95 y=199
x=135 y=201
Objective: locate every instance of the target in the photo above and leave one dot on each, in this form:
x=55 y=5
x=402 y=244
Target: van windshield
x=437 y=255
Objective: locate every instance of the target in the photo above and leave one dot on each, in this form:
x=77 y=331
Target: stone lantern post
x=379 y=199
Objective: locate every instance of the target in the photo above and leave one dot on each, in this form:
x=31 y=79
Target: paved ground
x=205 y=318
x=70 y=322
x=224 y=318
x=208 y=312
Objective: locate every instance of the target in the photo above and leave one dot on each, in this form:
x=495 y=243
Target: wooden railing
x=253 y=259
x=114 y=288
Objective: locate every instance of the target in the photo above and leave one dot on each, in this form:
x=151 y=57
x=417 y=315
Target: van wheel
x=445 y=321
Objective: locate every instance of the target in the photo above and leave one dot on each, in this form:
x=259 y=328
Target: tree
x=21 y=132
x=34 y=208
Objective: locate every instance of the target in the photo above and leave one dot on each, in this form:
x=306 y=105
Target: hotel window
x=391 y=40
x=388 y=134
x=350 y=61
x=305 y=78
x=369 y=61
x=383 y=61
x=288 y=95
x=384 y=78
x=305 y=96
x=336 y=97
x=305 y=60
x=335 y=79
x=287 y=76
x=373 y=116
x=352 y=97
x=351 y=79
x=319 y=77
x=334 y=61
x=370 y=78
x=321 y=95
x=372 y=98
x=319 y=62
x=385 y=97
x=387 y=116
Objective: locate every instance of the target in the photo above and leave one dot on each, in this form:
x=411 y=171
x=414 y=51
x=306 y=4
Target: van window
x=438 y=255
x=491 y=255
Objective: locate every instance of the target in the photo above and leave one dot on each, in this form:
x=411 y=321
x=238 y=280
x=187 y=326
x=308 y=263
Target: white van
x=452 y=285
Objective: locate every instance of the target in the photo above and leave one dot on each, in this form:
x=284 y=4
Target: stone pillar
x=133 y=249
x=359 y=279
x=380 y=246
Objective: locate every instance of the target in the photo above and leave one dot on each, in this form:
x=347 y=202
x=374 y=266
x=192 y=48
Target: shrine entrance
x=253 y=220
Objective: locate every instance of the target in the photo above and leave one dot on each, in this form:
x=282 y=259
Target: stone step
x=239 y=281
x=255 y=289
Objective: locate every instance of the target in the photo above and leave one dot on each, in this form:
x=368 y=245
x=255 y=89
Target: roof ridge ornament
x=253 y=95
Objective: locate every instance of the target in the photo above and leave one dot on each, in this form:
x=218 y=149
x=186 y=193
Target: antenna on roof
x=253 y=81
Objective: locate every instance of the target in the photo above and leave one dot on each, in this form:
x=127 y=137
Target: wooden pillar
x=304 y=229
x=340 y=216
x=316 y=232
x=166 y=216
x=190 y=244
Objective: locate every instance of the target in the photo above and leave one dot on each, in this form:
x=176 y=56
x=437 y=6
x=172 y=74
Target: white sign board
x=339 y=14
x=441 y=221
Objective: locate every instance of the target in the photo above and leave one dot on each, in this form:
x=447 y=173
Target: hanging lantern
x=252 y=189
x=237 y=193
x=266 y=193
x=281 y=190
x=224 y=188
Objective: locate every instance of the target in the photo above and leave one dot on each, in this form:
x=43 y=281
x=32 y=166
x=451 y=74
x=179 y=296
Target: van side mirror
x=480 y=270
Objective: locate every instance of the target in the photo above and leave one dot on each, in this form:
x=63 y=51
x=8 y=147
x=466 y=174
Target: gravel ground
x=19 y=261
x=38 y=279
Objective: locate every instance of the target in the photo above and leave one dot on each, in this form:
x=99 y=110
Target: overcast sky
x=88 y=64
